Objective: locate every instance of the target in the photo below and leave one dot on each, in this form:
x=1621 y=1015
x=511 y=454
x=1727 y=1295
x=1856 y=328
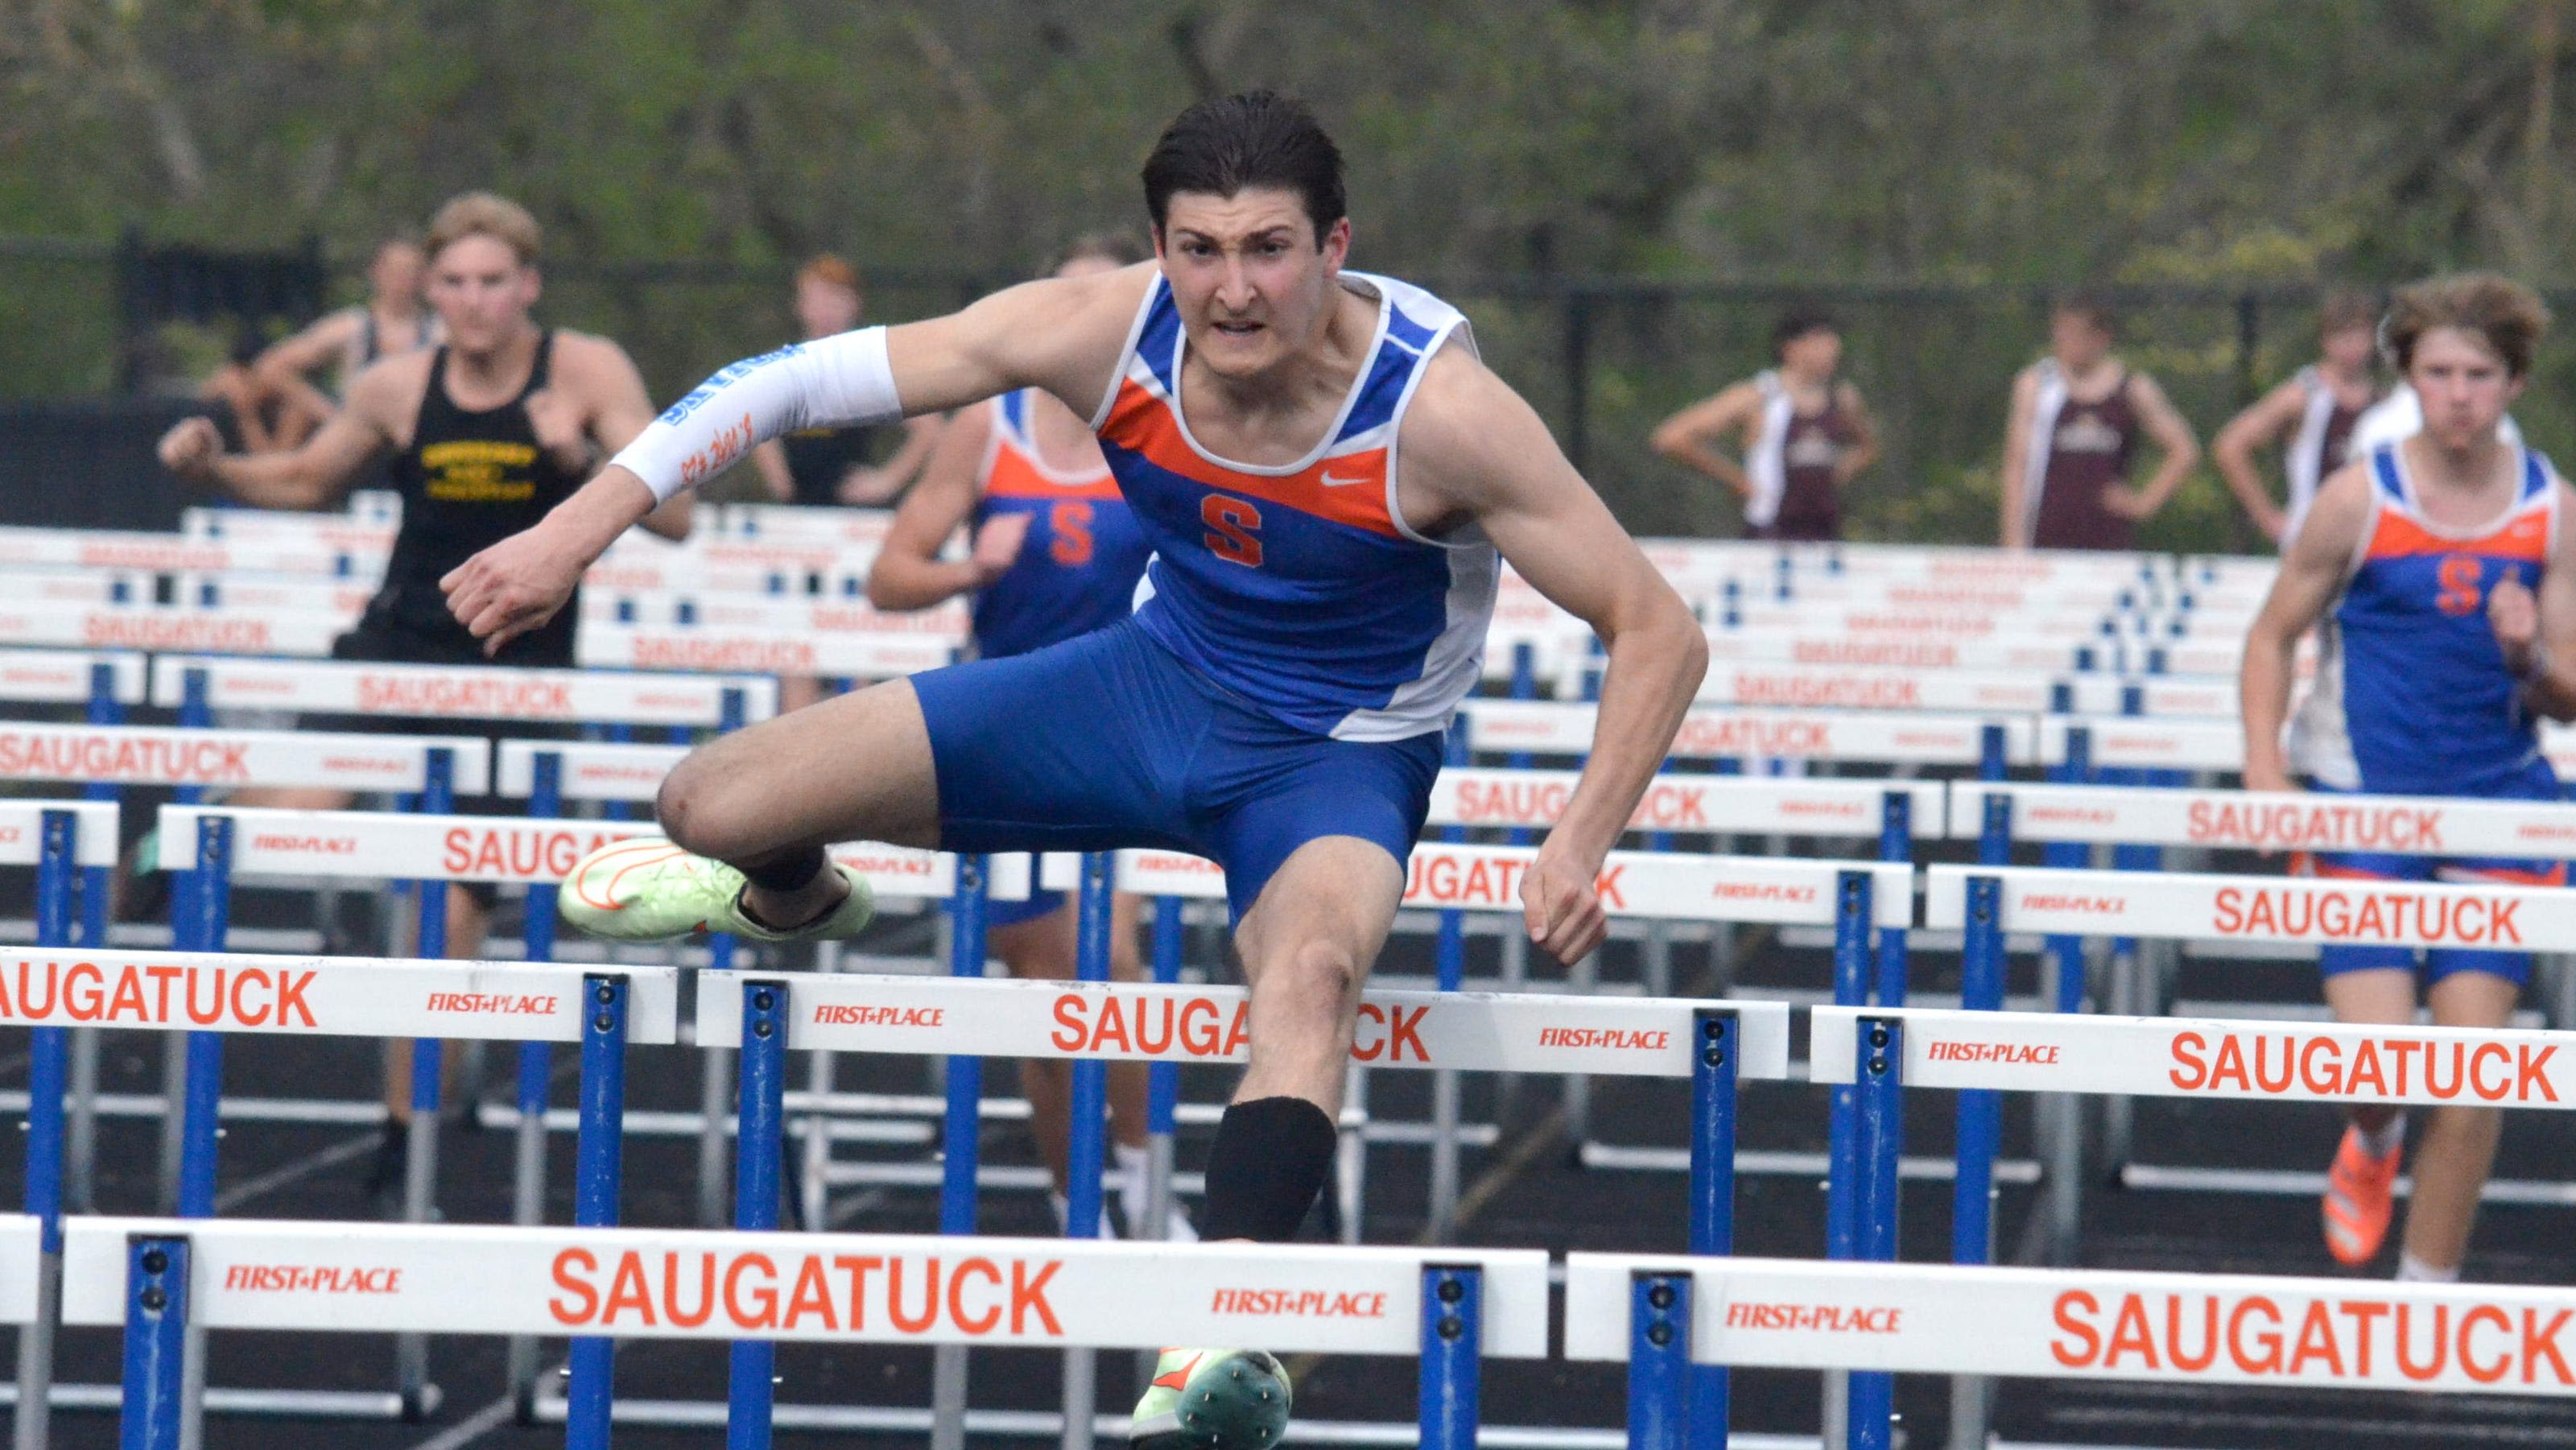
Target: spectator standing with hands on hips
x=2077 y=415
x=1805 y=433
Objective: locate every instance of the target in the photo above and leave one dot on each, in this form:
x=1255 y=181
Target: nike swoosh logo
x=1331 y=481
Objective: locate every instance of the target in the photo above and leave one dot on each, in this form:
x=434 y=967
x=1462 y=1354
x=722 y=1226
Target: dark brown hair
x=2094 y=307
x=2345 y=309
x=1796 y=323
x=1238 y=143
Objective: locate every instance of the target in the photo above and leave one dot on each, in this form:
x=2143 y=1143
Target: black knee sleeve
x=793 y=871
x=1265 y=1168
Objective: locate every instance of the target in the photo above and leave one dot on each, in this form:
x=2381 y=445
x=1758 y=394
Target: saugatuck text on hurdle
x=2302 y=912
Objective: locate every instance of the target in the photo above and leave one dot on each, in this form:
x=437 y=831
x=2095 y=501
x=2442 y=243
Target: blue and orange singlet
x=2412 y=694
x=1301 y=589
x=1077 y=570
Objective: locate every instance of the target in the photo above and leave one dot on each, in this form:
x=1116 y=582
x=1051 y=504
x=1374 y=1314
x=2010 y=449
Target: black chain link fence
x=1603 y=359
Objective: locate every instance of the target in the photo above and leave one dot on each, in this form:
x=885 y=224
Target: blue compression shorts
x=2437 y=962
x=1107 y=741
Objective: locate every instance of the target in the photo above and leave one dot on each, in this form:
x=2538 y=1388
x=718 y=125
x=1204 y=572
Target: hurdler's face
x=1253 y=282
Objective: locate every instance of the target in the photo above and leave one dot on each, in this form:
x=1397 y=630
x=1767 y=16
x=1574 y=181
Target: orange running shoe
x=2359 y=1199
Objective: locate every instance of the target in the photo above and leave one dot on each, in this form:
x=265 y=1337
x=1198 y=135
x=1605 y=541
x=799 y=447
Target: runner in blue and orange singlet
x=1330 y=480
x=2435 y=571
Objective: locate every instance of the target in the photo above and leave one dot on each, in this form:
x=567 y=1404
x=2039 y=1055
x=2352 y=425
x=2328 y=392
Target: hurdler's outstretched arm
x=1060 y=334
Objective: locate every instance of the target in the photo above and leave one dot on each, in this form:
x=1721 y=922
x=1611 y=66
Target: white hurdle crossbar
x=158 y=1278
x=478 y=692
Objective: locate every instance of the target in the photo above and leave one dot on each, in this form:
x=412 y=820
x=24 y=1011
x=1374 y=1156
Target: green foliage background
x=1933 y=166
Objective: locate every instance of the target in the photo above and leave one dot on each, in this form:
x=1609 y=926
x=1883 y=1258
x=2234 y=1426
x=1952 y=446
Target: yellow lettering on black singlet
x=473 y=470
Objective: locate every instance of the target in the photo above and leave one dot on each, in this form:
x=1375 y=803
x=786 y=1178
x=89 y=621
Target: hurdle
x=106 y=758
x=179 y=627
x=1870 y=950
x=1464 y=797
x=625 y=775
x=838 y=655
x=1990 y=901
x=2198 y=820
x=1094 y=1020
x=537 y=852
x=62 y=840
x=160 y=1279
x=103 y=683
x=1663 y=1316
x=322 y=996
x=170 y=553
x=232 y=843
x=480 y=692
x=1988 y=744
x=2281 y=821
x=2260 y=909
x=1984 y=1053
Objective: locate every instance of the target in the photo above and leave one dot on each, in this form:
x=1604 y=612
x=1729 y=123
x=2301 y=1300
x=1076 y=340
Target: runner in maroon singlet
x=2315 y=408
x=1805 y=433
x=2076 y=418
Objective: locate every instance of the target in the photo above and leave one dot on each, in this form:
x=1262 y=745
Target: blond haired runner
x=483 y=435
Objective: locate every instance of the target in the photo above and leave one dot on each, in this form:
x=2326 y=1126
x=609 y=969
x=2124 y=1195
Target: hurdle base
x=1049 y=1424
x=386 y=1405
x=2017 y=1171
x=2299 y=1183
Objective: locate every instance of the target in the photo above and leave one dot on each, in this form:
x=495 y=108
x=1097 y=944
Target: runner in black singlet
x=484 y=435
x=468 y=479
x=850 y=463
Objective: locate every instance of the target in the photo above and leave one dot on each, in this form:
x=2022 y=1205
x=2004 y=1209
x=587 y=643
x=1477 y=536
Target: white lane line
x=295 y=1172
x=472 y=1428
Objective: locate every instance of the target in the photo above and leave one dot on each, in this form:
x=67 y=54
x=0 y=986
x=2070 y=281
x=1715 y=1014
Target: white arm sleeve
x=839 y=379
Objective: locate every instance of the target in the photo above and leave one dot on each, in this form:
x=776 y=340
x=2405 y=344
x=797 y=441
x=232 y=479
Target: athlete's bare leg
x=2381 y=997
x=467 y=924
x=1307 y=944
x=2459 y=1144
x=856 y=767
x=1043 y=950
x=291 y=798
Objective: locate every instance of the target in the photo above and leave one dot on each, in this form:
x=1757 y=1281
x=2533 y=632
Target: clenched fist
x=2515 y=617
x=191 y=447
x=1561 y=904
x=997 y=545
x=562 y=429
